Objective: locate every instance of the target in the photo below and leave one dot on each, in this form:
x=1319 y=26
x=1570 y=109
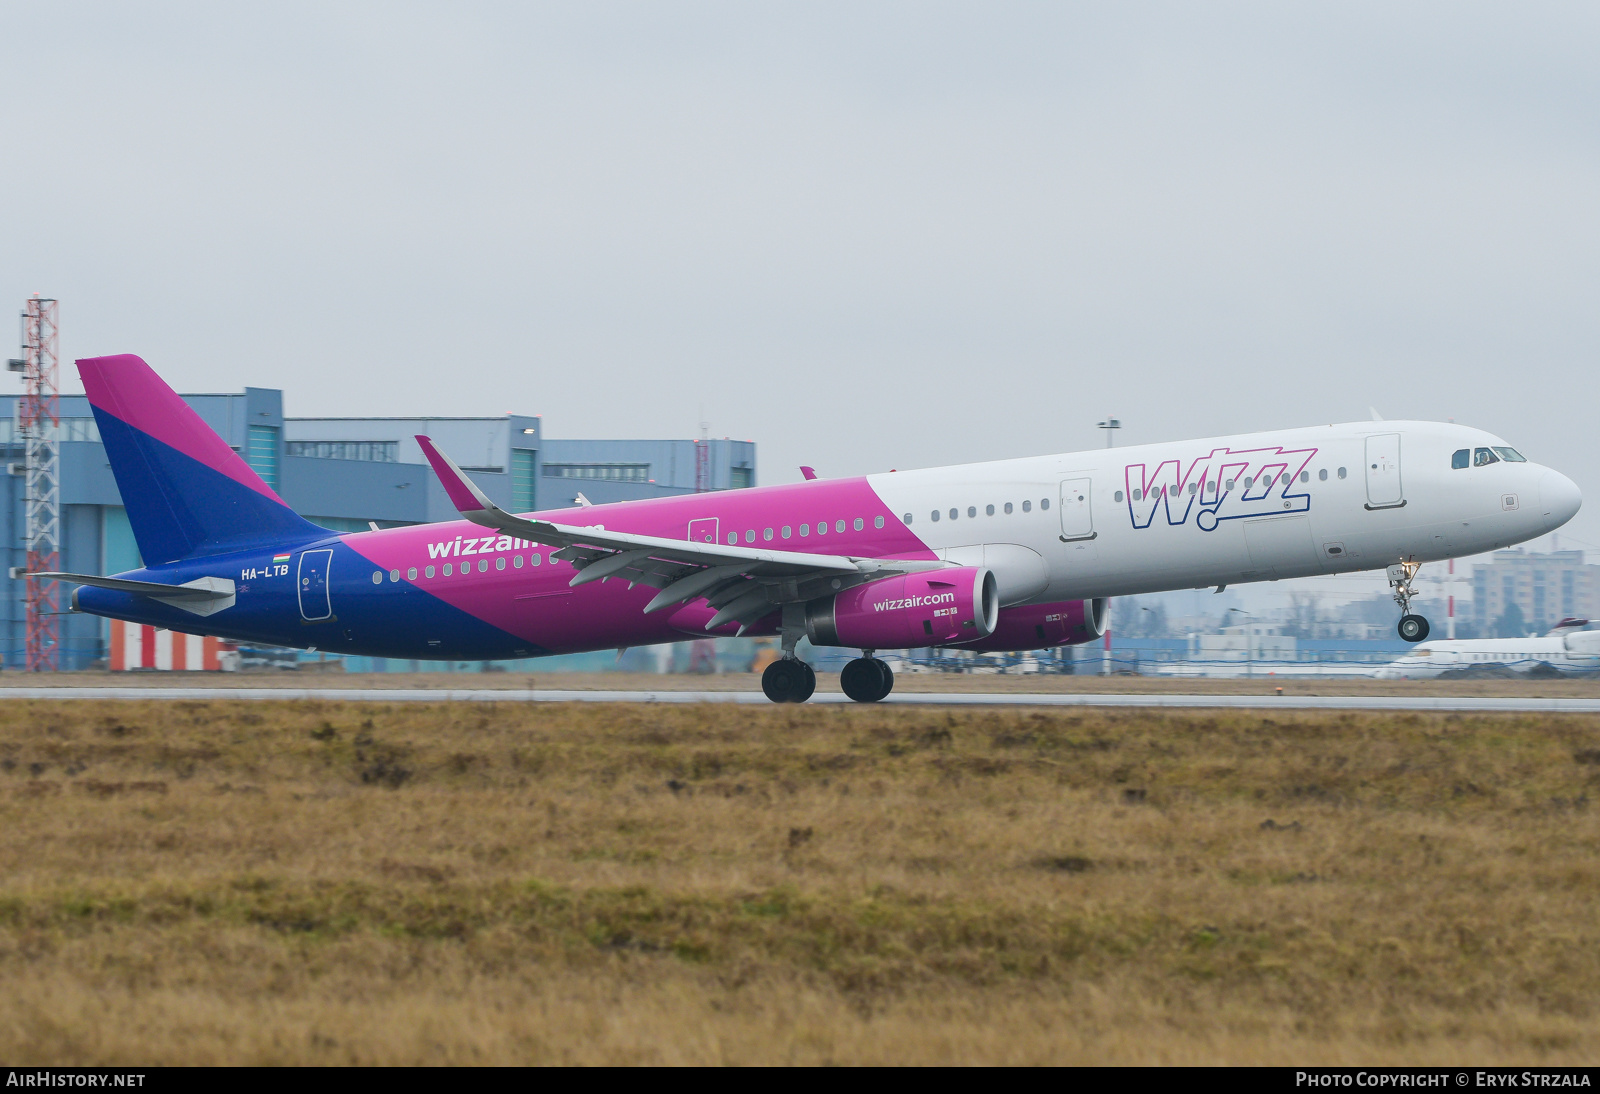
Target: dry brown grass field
x=307 y=882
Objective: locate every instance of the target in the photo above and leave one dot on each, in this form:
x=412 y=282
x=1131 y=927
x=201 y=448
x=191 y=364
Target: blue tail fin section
x=187 y=493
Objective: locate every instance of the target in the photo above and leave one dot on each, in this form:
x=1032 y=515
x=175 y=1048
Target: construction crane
x=39 y=425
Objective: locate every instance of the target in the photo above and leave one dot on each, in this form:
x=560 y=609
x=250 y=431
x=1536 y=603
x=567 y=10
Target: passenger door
x=313 y=584
x=703 y=530
x=1384 y=490
x=1077 y=517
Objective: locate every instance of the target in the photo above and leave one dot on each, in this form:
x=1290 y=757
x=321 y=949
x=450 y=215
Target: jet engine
x=1039 y=626
x=934 y=608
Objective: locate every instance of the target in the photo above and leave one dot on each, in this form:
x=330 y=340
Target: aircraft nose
x=1561 y=497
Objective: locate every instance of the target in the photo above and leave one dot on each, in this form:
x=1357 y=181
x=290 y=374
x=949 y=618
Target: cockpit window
x=1483 y=458
x=1510 y=455
x=1461 y=458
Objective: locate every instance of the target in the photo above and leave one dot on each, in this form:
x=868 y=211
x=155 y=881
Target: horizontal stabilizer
x=202 y=596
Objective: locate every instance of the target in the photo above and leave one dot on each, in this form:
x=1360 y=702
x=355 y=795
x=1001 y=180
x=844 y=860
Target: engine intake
x=1040 y=626
x=923 y=609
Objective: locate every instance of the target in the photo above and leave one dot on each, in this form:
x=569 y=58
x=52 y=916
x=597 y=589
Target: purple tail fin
x=186 y=492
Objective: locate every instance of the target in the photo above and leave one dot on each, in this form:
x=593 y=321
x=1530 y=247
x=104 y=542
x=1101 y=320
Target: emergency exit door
x=1384 y=489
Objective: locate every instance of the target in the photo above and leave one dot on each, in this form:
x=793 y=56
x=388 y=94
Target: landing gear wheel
x=866 y=679
x=888 y=677
x=788 y=681
x=1413 y=628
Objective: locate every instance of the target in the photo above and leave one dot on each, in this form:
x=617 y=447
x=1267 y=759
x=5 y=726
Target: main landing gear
x=789 y=680
x=866 y=679
x=1412 y=628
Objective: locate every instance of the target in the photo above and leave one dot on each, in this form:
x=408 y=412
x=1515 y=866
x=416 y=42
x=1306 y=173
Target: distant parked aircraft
x=1567 y=648
x=1015 y=555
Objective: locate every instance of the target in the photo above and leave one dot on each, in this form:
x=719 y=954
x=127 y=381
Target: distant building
x=1545 y=588
x=341 y=473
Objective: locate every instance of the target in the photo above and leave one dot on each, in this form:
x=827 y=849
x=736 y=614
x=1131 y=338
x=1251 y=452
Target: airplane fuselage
x=1052 y=529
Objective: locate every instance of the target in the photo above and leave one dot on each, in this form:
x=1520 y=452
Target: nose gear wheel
x=1412 y=627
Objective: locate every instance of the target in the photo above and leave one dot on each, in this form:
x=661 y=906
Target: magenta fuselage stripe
x=536 y=603
x=127 y=388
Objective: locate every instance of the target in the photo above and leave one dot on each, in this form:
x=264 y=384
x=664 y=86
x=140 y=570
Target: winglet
x=462 y=491
x=808 y=472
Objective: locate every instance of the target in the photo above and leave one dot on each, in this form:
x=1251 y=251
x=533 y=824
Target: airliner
x=1012 y=555
x=1568 y=648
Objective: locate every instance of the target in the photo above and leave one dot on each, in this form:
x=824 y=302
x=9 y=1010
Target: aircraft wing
x=742 y=583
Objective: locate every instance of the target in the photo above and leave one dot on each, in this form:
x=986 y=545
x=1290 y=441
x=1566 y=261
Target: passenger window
x=1192 y=488
x=1342 y=472
x=1284 y=478
x=1305 y=476
x=500 y=563
x=1322 y=476
x=448 y=569
x=859 y=524
x=934 y=515
x=907 y=518
x=805 y=530
x=1249 y=481
x=1483 y=458
x=1117 y=496
x=411 y=574
x=377 y=577
x=534 y=560
x=822 y=527
x=516 y=561
x=988 y=510
x=785 y=532
x=733 y=537
x=1044 y=503
x=1008 y=508
x=954 y=513
x=972 y=510
x=483 y=565
x=394 y=575
x=877 y=522
x=749 y=535
x=1461 y=457
x=1027 y=507
x=766 y=534
x=1138 y=495
x=838 y=526
x=428 y=571
x=1230 y=484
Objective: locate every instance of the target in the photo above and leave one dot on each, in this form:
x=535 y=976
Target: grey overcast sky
x=868 y=235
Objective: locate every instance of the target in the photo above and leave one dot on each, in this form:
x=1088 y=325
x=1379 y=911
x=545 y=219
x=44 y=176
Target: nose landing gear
x=1412 y=628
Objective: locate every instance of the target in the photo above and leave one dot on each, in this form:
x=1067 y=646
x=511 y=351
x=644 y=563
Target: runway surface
x=508 y=695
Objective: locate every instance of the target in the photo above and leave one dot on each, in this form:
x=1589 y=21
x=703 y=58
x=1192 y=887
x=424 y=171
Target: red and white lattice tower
x=39 y=423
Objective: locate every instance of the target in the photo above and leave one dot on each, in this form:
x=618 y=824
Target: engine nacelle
x=934 y=608
x=1040 y=626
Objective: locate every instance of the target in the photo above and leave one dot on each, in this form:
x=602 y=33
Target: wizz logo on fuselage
x=1225 y=485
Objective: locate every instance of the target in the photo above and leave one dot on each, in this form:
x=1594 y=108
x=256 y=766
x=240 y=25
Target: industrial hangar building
x=341 y=473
